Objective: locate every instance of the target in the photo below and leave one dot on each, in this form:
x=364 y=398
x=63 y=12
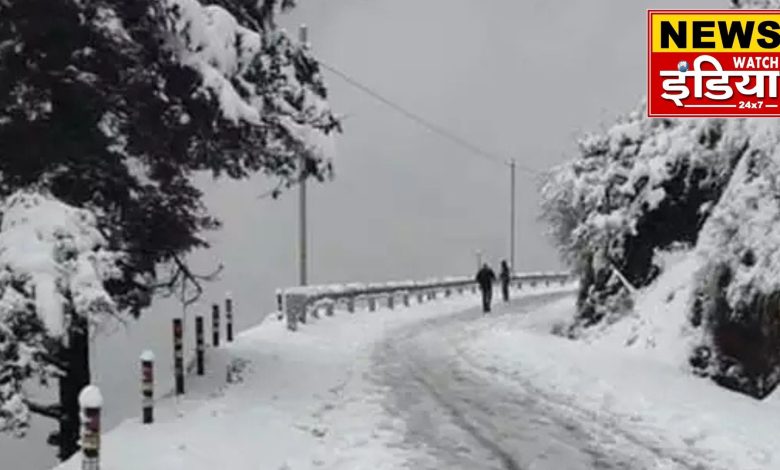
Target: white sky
x=519 y=79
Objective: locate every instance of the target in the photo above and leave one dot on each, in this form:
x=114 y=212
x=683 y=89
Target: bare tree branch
x=194 y=280
x=53 y=411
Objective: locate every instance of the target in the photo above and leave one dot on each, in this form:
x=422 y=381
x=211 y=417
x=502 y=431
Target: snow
x=53 y=246
x=328 y=397
x=48 y=250
x=147 y=356
x=688 y=420
x=229 y=58
x=746 y=219
x=618 y=179
x=380 y=288
x=219 y=49
x=298 y=400
x=90 y=397
x=659 y=324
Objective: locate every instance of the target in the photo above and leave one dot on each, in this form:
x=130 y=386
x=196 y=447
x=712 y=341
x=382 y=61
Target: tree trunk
x=75 y=355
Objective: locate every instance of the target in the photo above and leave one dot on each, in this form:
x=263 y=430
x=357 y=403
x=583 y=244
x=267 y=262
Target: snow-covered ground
x=442 y=386
x=659 y=325
x=684 y=422
x=305 y=400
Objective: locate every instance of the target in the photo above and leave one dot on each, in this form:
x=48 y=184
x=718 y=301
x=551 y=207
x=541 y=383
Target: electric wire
x=429 y=125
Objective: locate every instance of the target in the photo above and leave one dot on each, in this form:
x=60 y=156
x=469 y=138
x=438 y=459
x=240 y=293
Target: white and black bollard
x=200 y=346
x=406 y=299
x=215 y=325
x=351 y=304
x=90 y=401
x=147 y=387
x=420 y=297
x=390 y=301
x=178 y=356
x=229 y=318
x=372 y=304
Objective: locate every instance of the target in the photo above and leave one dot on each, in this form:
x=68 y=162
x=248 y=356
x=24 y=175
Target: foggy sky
x=521 y=79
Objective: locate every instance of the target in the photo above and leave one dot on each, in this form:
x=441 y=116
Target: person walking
x=506 y=277
x=485 y=278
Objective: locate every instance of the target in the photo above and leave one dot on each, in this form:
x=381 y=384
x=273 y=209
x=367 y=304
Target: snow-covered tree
x=641 y=185
x=710 y=184
x=110 y=106
x=738 y=293
x=52 y=258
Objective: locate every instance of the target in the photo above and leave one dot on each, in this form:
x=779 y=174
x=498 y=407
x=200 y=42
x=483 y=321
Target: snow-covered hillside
x=646 y=185
x=628 y=397
x=658 y=325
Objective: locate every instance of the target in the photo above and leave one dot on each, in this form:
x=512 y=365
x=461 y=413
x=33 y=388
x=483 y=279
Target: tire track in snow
x=593 y=420
x=460 y=419
x=500 y=423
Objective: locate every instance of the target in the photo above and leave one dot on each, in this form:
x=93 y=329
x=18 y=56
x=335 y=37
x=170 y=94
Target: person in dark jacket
x=506 y=277
x=485 y=278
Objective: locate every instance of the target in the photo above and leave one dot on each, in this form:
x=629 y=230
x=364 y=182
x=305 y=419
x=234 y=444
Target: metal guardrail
x=298 y=302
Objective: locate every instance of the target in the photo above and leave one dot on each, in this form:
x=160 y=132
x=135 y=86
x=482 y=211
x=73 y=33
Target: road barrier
x=297 y=303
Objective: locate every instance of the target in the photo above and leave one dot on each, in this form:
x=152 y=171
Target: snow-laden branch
x=53 y=261
x=253 y=75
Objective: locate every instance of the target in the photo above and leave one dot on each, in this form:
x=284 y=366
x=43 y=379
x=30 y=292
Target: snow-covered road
x=461 y=417
x=439 y=385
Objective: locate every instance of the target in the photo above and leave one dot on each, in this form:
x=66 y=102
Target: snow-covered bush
x=53 y=266
x=738 y=287
x=713 y=185
x=641 y=185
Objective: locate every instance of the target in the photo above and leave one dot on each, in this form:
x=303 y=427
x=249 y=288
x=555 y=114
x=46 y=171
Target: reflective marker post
x=147 y=387
x=178 y=356
x=215 y=325
x=229 y=318
x=90 y=401
x=200 y=345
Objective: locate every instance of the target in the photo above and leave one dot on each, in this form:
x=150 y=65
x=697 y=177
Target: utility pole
x=303 y=35
x=512 y=165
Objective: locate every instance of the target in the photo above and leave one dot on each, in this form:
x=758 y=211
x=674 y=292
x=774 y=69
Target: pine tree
x=110 y=106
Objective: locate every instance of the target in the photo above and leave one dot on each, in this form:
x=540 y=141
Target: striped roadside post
x=90 y=402
x=215 y=325
x=178 y=356
x=200 y=346
x=147 y=387
x=229 y=318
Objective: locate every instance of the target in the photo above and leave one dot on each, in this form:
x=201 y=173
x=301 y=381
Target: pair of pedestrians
x=486 y=278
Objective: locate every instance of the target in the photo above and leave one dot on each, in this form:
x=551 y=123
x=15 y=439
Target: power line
x=431 y=126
